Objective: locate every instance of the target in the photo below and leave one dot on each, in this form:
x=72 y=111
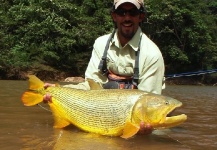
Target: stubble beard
x=127 y=33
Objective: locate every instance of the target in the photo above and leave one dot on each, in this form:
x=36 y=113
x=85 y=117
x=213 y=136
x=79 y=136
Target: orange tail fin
x=33 y=97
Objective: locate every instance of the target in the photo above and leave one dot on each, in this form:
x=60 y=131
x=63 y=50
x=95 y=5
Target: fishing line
x=44 y=107
x=178 y=141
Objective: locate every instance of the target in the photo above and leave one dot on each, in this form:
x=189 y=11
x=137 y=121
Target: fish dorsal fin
x=94 y=85
x=57 y=85
x=35 y=83
x=130 y=130
x=59 y=121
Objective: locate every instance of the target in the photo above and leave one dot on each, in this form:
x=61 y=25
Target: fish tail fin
x=32 y=97
x=35 y=83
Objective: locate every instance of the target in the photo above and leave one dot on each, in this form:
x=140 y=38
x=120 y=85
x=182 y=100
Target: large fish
x=113 y=112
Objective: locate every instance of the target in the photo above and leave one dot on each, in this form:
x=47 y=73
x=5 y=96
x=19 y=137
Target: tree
x=184 y=30
x=50 y=35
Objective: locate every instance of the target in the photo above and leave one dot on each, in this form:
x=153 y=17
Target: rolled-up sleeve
x=151 y=75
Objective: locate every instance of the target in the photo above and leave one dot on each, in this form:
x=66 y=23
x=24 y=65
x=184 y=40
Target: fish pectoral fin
x=59 y=121
x=130 y=130
x=31 y=98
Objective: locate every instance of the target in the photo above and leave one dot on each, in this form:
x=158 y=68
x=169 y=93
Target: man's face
x=127 y=19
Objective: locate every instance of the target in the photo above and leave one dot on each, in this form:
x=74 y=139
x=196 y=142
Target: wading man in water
x=126 y=58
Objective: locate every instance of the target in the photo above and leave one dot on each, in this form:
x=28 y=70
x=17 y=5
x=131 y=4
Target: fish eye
x=167 y=103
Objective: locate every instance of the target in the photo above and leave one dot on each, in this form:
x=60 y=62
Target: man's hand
x=145 y=129
x=46 y=85
x=47 y=97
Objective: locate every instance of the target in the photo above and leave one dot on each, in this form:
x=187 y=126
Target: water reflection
x=31 y=127
x=71 y=139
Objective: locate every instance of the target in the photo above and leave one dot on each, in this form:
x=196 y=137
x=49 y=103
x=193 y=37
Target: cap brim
x=127 y=1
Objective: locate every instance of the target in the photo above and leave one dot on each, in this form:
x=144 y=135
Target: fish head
x=154 y=109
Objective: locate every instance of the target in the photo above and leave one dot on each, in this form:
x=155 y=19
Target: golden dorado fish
x=112 y=112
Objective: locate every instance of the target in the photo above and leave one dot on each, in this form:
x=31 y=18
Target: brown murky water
x=31 y=127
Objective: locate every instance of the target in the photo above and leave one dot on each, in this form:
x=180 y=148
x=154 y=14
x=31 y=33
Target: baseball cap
x=137 y=3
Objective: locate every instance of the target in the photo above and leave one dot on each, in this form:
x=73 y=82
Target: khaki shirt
x=121 y=61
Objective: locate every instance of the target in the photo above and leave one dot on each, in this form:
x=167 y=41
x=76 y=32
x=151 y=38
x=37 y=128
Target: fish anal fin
x=31 y=98
x=130 y=130
x=59 y=121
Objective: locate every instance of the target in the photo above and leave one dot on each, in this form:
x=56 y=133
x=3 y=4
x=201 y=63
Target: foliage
x=59 y=34
x=185 y=32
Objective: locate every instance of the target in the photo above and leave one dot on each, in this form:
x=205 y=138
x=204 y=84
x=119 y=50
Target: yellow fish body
x=112 y=112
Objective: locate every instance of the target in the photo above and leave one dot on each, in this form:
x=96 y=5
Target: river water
x=28 y=128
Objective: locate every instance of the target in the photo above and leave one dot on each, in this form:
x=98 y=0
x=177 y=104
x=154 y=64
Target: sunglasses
x=122 y=12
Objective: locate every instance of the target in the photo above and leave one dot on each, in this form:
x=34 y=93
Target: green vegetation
x=57 y=35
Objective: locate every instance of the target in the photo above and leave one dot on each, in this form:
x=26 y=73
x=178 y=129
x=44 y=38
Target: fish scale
x=89 y=111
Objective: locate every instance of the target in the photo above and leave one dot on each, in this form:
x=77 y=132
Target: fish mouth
x=173 y=120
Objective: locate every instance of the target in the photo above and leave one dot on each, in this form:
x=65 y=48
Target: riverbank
x=55 y=75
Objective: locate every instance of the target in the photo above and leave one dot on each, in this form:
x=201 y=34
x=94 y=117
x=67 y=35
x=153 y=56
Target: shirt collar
x=133 y=43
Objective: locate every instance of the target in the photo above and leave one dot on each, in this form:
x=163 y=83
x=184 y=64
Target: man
x=127 y=58
x=120 y=60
